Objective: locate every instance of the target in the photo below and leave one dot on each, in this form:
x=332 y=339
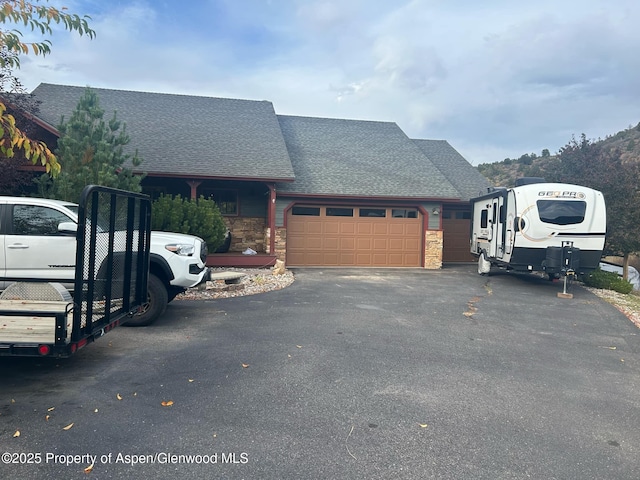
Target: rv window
x=484 y=217
x=561 y=212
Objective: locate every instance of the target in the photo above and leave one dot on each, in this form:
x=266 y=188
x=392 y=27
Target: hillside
x=504 y=173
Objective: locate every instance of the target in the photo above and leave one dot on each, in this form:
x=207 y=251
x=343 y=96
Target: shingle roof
x=465 y=178
x=358 y=158
x=187 y=135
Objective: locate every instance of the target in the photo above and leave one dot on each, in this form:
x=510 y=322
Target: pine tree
x=91 y=151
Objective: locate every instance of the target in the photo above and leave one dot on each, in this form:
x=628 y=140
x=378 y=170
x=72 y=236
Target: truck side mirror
x=67 y=227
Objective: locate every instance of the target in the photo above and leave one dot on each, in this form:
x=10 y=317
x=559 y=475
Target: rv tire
x=484 y=265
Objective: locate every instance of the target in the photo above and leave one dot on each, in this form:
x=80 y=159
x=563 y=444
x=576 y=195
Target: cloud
x=494 y=78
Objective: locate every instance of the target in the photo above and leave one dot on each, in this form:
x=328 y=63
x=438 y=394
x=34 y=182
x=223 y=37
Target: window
x=339 y=212
x=561 y=212
x=404 y=213
x=484 y=218
x=307 y=211
x=227 y=201
x=36 y=220
x=373 y=212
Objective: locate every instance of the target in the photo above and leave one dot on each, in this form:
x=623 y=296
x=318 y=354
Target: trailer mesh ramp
x=112 y=258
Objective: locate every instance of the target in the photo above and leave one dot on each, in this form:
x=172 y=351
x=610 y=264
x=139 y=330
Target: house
x=310 y=191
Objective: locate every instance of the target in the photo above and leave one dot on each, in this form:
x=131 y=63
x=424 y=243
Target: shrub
x=608 y=280
x=195 y=217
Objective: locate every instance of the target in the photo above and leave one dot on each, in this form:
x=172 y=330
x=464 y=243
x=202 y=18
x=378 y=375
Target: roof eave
x=327 y=196
x=217 y=177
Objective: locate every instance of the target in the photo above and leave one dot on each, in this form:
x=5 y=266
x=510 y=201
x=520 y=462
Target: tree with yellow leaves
x=38 y=18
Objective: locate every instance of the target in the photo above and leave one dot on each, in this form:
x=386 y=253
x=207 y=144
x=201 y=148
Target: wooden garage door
x=354 y=236
x=456 y=224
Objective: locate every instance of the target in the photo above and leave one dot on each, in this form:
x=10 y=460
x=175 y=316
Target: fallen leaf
x=167 y=404
x=47 y=418
x=51 y=409
x=245 y=365
x=88 y=469
x=68 y=427
x=118 y=396
x=13 y=401
x=423 y=425
x=17 y=434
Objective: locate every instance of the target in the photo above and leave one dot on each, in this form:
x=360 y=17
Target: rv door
x=498 y=230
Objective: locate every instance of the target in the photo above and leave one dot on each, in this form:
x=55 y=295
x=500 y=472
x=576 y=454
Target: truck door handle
x=18 y=246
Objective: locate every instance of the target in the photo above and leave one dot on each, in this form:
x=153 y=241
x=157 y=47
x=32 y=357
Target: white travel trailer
x=555 y=228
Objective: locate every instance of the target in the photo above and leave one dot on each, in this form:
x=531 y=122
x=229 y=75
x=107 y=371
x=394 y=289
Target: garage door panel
x=455 y=240
x=329 y=243
x=347 y=228
x=364 y=228
x=314 y=227
x=363 y=259
x=348 y=243
x=381 y=243
x=412 y=244
x=381 y=229
x=365 y=244
x=354 y=241
x=412 y=229
x=347 y=259
x=331 y=228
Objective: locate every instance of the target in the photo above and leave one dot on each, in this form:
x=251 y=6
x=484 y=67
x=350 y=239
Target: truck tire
x=484 y=265
x=158 y=299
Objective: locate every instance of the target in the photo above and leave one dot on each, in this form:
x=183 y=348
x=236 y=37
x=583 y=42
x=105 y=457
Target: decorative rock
x=278 y=268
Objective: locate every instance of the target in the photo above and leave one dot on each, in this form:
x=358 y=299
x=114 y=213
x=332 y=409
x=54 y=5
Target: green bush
x=195 y=217
x=608 y=280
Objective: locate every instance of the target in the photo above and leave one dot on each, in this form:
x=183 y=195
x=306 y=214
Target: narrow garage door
x=354 y=236
x=456 y=224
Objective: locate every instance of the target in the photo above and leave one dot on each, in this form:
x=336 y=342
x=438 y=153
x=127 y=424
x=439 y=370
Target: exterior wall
x=247 y=232
x=433 y=249
x=432 y=219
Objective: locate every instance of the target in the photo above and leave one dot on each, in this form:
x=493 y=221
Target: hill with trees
x=505 y=173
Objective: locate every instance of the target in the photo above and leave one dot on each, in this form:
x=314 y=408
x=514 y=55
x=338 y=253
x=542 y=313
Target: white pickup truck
x=38 y=241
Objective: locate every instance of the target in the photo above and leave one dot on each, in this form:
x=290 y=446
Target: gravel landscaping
x=256 y=280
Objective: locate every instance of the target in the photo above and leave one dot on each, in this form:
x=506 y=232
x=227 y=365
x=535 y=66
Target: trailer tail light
x=44 y=350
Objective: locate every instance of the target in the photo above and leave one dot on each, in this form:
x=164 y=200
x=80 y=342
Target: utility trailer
x=39 y=317
x=555 y=228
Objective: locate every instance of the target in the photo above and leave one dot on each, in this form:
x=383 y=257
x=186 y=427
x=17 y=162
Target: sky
x=495 y=78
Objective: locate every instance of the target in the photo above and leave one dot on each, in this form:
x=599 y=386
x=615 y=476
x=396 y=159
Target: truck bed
x=32 y=321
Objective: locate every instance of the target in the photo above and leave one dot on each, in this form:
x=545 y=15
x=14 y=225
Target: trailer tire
x=484 y=265
x=156 y=305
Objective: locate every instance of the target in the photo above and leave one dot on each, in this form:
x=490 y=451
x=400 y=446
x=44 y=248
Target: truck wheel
x=484 y=265
x=158 y=299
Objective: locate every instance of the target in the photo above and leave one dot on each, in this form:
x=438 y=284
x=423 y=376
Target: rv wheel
x=484 y=265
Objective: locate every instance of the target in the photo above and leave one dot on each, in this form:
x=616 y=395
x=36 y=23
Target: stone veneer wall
x=281 y=243
x=247 y=232
x=433 y=249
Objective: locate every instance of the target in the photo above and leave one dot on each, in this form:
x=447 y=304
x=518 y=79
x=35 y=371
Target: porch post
x=271 y=221
x=194 y=184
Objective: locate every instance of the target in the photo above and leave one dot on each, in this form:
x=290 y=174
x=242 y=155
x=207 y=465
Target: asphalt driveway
x=347 y=374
